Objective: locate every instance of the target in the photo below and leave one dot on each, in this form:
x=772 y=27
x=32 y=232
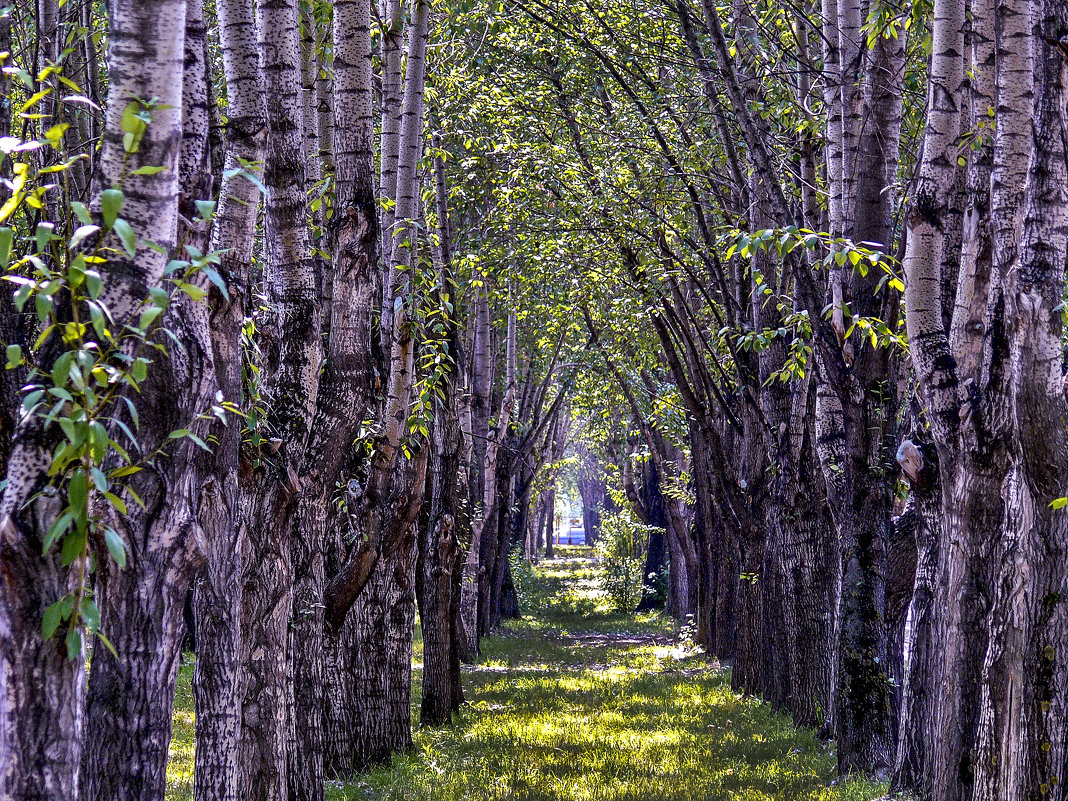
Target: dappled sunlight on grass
x=180 y=764
x=577 y=703
x=580 y=703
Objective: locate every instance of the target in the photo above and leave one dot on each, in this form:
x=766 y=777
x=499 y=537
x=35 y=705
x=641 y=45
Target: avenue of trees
x=312 y=306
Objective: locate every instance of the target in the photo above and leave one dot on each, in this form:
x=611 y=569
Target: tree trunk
x=293 y=353
x=130 y=696
x=217 y=685
x=656 y=553
x=344 y=396
x=550 y=524
x=439 y=563
x=438 y=569
x=383 y=618
x=1021 y=746
x=41 y=709
x=919 y=695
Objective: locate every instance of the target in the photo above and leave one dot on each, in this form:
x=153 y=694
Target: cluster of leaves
x=81 y=366
x=433 y=302
x=527 y=581
x=621 y=557
x=832 y=253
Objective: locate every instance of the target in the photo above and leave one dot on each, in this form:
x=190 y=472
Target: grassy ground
x=574 y=703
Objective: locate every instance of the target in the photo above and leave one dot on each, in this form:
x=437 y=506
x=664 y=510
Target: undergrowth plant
x=621 y=554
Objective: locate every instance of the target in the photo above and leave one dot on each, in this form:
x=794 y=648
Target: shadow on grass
x=575 y=703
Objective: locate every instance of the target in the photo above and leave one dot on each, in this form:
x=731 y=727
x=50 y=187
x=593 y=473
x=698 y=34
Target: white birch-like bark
x=345 y=393
x=142 y=606
x=217 y=682
x=294 y=353
x=1020 y=747
x=391 y=102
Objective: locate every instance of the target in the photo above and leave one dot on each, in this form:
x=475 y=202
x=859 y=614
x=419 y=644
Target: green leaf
x=159 y=296
x=89 y=613
x=56 y=530
x=76 y=432
x=43 y=235
x=1058 y=503
x=6 y=238
x=136 y=497
x=139 y=369
x=55 y=133
x=32 y=400
x=107 y=644
x=192 y=290
x=14 y=356
x=78 y=492
x=80 y=234
x=116 y=547
x=117 y=502
x=134 y=418
x=74 y=644
x=148 y=316
x=146 y=170
x=110 y=204
x=94 y=283
x=206 y=208
x=61 y=369
x=43 y=306
x=53 y=616
x=73 y=546
x=200 y=443
x=216 y=279
x=98 y=438
x=84 y=217
x=100 y=479
x=131 y=121
x=23 y=295
x=126 y=236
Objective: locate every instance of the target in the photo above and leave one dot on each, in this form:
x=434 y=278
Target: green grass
x=579 y=704
x=180 y=765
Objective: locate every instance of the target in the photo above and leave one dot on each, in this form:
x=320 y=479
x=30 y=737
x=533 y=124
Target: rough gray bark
x=382 y=669
x=217 y=685
x=128 y=707
x=292 y=353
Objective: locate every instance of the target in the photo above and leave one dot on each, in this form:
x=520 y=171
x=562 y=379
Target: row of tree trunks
x=376 y=552
x=774 y=542
x=991 y=378
x=292 y=355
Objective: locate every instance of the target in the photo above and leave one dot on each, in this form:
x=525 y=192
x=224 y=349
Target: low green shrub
x=621 y=555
